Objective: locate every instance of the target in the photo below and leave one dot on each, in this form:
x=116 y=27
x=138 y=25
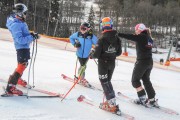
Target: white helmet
x=20 y=9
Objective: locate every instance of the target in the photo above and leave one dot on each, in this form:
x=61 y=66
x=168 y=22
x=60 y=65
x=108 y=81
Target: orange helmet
x=106 y=23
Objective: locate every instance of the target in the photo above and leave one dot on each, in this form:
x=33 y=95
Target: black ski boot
x=141 y=101
x=152 y=103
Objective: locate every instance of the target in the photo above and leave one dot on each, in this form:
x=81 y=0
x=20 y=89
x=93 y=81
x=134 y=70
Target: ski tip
x=62 y=75
x=80 y=98
x=12 y=95
x=5 y=95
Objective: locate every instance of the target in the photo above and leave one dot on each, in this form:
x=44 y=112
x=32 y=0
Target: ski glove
x=77 y=44
x=35 y=35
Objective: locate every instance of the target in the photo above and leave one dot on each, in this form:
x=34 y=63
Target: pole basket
x=167 y=63
x=125 y=53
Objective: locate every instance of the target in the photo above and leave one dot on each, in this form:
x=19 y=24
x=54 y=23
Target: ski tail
x=6 y=94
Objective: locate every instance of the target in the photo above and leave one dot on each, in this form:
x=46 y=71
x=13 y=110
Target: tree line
x=63 y=17
x=50 y=17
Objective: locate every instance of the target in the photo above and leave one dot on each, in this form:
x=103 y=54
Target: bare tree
x=59 y=18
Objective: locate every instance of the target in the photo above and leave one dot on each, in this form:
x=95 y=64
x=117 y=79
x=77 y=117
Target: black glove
x=77 y=44
x=35 y=35
x=91 y=54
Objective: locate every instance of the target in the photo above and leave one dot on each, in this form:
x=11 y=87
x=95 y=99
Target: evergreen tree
x=91 y=18
x=65 y=29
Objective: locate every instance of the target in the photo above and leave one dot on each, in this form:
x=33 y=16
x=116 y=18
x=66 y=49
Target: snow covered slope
x=51 y=63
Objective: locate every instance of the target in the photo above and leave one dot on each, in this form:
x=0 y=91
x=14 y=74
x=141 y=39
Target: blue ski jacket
x=20 y=32
x=86 y=42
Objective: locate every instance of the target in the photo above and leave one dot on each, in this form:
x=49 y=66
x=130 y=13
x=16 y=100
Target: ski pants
x=105 y=71
x=142 y=70
x=82 y=62
x=23 y=55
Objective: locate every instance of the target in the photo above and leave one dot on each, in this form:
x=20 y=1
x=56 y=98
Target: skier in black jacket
x=106 y=51
x=143 y=65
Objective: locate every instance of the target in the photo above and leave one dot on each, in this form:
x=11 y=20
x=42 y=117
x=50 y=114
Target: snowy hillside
x=51 y=63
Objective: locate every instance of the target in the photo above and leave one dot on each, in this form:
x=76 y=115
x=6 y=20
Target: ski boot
x=141 y=101
x=153 y=103
x=12 y=90
x=110 y=105
x=22 y=82
x=84 y=82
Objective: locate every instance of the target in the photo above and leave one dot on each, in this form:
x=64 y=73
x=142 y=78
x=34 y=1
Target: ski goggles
x=83 y=28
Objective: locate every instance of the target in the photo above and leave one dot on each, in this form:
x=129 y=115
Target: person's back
x=106 y=51
x=111 y=46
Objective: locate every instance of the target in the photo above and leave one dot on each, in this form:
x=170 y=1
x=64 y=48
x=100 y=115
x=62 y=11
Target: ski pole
x=34 y=53
x=75 y=77
x=95 y=62
x=30 y=67
x=79 y=77
x=34 y=61
x=81 y=71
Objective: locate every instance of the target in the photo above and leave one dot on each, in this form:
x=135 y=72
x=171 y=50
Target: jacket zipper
x=83 y=47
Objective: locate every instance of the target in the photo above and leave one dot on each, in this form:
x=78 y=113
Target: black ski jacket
x=108 y=46
x=143 y=49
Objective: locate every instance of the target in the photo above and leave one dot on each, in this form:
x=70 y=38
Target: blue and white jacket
x=20 y=32
x=86 y=42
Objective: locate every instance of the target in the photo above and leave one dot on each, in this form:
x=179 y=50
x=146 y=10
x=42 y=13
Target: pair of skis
x=89 y=102
x=83 y=99
x=121 y=96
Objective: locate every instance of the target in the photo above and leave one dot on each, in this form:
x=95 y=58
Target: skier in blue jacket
x=22 y=39
x=83 y=41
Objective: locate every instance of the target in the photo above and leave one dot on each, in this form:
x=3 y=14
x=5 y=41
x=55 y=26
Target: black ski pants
x=105 y=70
x=142 y=70
x=82 y=61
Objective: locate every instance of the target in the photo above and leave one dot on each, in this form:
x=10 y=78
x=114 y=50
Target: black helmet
x=20 y=9
x=85 y=24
